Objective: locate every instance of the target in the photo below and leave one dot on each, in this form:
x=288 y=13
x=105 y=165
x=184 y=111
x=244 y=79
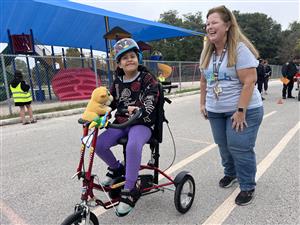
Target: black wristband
x=240 y=110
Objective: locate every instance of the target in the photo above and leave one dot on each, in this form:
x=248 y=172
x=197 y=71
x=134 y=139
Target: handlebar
x=121 y=112
x=137 y=114
x=105 y=123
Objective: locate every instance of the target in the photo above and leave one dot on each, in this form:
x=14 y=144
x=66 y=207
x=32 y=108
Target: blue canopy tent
x=70 y=24
x=65 y=23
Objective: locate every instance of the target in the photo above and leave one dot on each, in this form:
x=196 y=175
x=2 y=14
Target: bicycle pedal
x=145 y=181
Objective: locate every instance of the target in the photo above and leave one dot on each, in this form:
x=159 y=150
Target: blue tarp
x=69 y=24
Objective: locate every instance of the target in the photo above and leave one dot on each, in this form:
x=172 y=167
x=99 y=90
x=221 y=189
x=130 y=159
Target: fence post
x=30 y=79
x=179 y=76
x=95 y=70
x=6 y=84
x=64 y=58
x=40 y=96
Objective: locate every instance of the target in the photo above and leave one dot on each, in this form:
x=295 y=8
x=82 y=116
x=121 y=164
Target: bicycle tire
x=77 y=217
x=181 y=206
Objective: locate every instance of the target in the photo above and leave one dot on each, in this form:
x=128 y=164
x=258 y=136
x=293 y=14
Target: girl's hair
x=135 y=50
x=234 y=36
x=18 y=75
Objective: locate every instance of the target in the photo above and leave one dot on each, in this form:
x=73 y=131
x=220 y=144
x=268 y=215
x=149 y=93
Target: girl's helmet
x=124 y=45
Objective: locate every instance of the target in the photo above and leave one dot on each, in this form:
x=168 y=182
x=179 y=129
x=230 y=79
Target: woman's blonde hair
x=234 y=36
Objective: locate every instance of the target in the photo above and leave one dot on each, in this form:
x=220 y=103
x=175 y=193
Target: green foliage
x=73 y=62
x=9 y=76
x=290 y=42
x=184 y=48
x=263 y=32
x=72 y=52
x=266 y=34
x=297 y=48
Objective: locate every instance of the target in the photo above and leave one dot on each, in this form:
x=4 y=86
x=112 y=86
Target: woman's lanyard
x=217 y=88
x=215 y=67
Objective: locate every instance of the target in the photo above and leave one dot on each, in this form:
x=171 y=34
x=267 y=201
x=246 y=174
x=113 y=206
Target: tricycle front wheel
x=79 y=217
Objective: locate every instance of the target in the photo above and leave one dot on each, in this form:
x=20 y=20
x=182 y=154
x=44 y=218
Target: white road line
x=223 y=211
x=193 y=140
x=189 y=159
x=269 y=114
x=100 y=210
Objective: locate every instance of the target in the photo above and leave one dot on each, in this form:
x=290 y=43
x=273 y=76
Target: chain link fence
x=40 y=73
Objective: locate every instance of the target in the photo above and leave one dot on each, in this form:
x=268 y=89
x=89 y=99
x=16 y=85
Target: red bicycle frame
x=88 y=179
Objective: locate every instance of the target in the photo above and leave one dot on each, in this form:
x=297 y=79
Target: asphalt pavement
x=55 y=103
x=38 y=161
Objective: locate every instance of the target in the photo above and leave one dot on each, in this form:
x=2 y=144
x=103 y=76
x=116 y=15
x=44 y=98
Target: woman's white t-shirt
x=230 y=83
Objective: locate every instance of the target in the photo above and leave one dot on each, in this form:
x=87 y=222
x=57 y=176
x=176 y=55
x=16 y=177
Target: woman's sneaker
x=127 y=201
x=245 y=197
x=113 y=174
x=227 y=181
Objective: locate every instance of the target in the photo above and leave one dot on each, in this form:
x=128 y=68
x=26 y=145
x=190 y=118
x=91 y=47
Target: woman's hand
x=203 y=111
x=239 y=121
x=131 y=109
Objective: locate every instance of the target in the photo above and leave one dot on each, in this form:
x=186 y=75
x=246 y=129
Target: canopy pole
x=53 y=59
x=30 y=78
x=82 y=58
x=92 y=57
x=28 y=66
x=94 y=65
x=107 y=51
x=11 y=48
x=64 y=58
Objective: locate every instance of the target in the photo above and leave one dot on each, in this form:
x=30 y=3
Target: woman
x=229 y=99
x=134 y=87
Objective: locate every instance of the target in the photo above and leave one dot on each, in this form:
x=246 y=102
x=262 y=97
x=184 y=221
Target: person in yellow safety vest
x=22 y=97
x=160 y=77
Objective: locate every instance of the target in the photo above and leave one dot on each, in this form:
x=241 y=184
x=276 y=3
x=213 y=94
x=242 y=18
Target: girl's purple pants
x=138 y=135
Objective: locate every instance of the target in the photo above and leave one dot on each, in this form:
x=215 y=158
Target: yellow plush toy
x=98 y=105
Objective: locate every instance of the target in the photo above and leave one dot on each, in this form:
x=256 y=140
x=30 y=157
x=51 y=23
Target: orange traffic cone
x=280 y=101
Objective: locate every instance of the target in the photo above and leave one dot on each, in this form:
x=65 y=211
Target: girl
x=134 y=87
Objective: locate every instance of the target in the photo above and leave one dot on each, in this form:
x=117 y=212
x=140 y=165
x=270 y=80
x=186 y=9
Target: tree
x=20 y=65
x=273 y=44
x=39 y=74
x=184 y=48
x=290 y=42
x=73 y=62
x=297 y=48
x=264 y=33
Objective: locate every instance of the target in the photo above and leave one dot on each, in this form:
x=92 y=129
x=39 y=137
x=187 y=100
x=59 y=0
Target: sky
x=282 y=11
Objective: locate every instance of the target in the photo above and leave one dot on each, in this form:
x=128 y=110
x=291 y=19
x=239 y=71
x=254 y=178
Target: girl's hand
x=239 y=121
x=131 y=109
x=203 y=111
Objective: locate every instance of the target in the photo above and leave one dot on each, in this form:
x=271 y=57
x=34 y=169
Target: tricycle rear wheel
x=184 y=193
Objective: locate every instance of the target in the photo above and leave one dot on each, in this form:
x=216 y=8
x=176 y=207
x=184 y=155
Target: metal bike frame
x=88 y=183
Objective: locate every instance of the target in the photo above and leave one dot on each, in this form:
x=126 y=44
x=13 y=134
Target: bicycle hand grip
x=130 y=121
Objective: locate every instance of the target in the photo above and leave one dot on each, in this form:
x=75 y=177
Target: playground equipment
x=165 y=70
x=74 y=84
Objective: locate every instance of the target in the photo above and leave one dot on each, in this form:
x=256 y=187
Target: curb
x=76 y=111
x=44 y=116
